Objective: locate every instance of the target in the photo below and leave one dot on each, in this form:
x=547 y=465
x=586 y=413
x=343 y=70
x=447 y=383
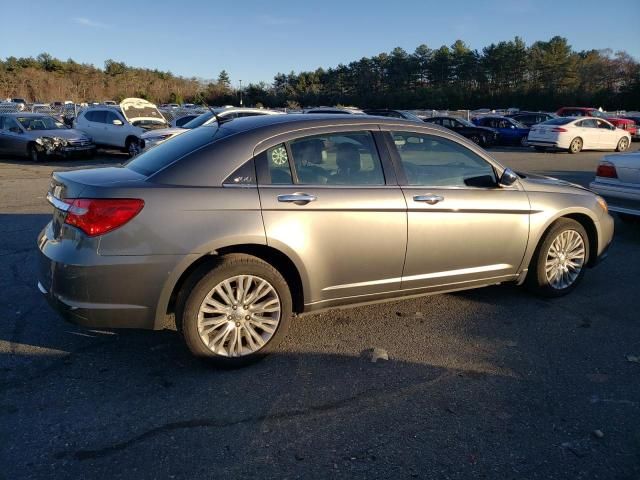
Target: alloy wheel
x=565 y=259
x=239 y=316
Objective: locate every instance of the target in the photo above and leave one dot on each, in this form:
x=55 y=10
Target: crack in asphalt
x=372 y=395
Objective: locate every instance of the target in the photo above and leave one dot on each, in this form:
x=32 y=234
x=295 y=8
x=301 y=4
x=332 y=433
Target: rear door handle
x=297 y=198
x=430 y=199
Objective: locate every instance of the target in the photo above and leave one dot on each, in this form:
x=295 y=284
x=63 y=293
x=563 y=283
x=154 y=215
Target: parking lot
x=491 y=383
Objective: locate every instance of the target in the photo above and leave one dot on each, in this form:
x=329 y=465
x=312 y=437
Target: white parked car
x=578 y=133
x=122 y=126
x=618 y=181
x=156 y=137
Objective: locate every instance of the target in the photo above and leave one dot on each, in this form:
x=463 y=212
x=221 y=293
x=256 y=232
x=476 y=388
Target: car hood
x=541 y=183
x=137 y=109
x=164 y=131
x=67 y=134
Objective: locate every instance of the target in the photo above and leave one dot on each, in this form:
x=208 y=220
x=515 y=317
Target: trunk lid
x=75 y=184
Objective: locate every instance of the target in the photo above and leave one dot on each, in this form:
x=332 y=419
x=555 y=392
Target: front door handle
x=430 y=198
x=297 y=198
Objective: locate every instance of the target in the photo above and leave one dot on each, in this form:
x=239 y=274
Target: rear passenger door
x=331 y=201
x=462 y=226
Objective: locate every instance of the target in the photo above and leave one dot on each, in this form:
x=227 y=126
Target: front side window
x=110 y=117
x=97 y=116
x=337 y=159
x=429 y=160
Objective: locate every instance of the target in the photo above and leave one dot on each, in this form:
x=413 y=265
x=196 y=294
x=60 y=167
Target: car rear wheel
x=623 y=144
x=236 y=313
x=524 y=142
x=560 y=259
x=35 y=152
x=476 y=139
x=576 y=145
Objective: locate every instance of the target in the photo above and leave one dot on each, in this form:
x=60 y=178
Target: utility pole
x=240 y=92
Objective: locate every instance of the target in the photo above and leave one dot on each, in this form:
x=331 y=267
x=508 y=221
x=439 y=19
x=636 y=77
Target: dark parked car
x=532 y=118
x=237 y=226
x=385 y=112
x=37 y=136
x=479 y=135
x=511 y=131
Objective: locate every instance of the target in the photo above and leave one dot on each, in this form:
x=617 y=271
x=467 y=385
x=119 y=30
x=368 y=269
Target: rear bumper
x=621 y=199
x=101 y=291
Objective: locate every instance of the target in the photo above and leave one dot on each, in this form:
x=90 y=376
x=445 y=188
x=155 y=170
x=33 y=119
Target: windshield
x=41 y=123
x=198 y=121
x=518 y=124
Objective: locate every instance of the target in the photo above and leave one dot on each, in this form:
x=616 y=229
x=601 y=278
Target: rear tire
x=219 y=320
x=476 y=139
x=560 y=259
x=576 y=145
x=623 y=144
x=524 y=141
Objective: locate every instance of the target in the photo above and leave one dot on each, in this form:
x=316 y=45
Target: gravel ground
x=491 y=383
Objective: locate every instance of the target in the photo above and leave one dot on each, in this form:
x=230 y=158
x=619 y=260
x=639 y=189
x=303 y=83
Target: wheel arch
x=203 y=264
x=587 y=222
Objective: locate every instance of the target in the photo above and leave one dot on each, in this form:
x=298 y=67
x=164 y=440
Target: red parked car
x=623 y=123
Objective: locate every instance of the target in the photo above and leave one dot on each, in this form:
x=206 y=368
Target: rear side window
x=337 y=159
x=429 y=160
x=97 y=116
x=277 y=161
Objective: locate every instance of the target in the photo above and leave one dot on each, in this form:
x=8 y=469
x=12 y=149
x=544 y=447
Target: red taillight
x=606 y=170
x=97 y=216
x=559 y=129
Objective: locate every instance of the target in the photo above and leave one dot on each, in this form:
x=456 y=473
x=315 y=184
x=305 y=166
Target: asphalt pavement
x=491 y=383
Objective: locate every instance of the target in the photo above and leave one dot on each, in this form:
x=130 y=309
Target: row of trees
x=543 y=75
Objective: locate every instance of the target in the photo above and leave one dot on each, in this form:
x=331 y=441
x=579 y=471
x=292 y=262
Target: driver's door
x=462 y=226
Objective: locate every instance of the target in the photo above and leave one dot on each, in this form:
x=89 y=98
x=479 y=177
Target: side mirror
x=508 y=178
x=117 y=122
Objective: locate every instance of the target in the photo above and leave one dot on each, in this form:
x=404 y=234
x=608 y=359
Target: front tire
x=35 y=153
x=237 y=313
x=476 y=139
x=559 y=261
x=576 y=145
x=524 y=141
x=132 y=146
x=623 y=144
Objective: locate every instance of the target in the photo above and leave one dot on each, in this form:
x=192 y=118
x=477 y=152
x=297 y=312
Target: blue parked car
x=511 y=131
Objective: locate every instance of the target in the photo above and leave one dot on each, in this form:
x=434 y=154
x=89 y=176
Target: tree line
x=543 y=75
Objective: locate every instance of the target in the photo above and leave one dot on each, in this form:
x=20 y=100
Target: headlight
x=603 y=203
x=60 y=141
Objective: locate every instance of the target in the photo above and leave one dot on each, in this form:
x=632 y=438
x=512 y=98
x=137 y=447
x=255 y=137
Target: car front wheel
x=237 y=313
x=623 y=144
x=560 y=259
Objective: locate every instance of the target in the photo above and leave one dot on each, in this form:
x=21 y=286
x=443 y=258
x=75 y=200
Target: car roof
x=283 y=123
x=26 y=114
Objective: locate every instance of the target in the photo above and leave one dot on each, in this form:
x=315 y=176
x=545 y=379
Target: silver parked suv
x=237 y=227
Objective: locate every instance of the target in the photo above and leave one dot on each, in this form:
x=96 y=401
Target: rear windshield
x=166 y=153
x=558 y=121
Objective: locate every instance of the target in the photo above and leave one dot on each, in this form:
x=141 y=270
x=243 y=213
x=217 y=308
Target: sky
x=254 y=40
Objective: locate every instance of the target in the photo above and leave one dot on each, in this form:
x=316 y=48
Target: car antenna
x=220 y=120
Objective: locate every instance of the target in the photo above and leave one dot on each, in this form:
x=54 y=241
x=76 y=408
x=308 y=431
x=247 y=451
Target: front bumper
x=98 y=291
